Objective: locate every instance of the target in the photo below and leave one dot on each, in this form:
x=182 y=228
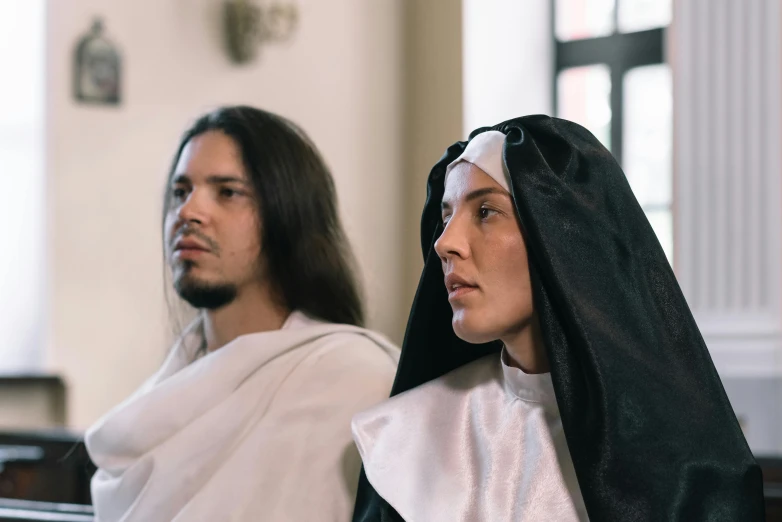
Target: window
x=22 y=207
x=612 y=79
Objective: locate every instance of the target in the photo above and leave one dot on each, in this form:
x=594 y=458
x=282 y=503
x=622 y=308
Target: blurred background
x=94 y=96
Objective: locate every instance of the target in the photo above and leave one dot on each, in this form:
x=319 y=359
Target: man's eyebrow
x=214 y=179
x=475 y=194
x=218 y=179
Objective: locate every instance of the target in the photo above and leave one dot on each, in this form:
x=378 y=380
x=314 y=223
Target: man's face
x=212 y=227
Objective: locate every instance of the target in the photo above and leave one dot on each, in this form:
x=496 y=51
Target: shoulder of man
x=352 y=352
x=349 y=367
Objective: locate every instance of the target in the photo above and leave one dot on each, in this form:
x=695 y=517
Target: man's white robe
x=256 y=430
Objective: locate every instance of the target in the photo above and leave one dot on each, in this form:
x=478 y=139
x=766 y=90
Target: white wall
x=728 y=185
x=339 y=79
x=729 y=179
x=22 y=29
x=508 y=60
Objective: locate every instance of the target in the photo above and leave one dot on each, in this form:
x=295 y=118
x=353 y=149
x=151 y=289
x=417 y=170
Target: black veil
x=647 y=421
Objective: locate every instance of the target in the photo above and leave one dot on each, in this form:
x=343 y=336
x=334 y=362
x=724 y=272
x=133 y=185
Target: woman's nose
x=453 y=241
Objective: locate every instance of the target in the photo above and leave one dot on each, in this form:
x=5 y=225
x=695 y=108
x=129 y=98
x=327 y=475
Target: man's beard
x=199 y=294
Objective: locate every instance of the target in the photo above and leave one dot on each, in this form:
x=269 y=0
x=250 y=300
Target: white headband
x=485 y=152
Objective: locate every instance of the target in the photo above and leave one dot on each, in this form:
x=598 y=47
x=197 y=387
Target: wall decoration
x=248 y=25
x=97 y=68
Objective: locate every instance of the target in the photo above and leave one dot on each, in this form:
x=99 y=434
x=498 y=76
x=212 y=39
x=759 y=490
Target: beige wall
x=433 y=109
x=468 y=63
x=31 y=403
x=339 y=78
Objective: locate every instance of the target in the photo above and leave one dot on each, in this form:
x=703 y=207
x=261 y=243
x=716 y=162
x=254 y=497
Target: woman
x=551 y=368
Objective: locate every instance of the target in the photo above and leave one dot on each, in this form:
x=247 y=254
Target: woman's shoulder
x=437 y=399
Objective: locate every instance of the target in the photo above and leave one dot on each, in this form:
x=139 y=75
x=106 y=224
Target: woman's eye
x=228 y=193
x=486 y=213
x=178 y=193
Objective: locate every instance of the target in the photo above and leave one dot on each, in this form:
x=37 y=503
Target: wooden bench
x=772 y=486
x=46 y=476
x=48 y=466
x=25 y=510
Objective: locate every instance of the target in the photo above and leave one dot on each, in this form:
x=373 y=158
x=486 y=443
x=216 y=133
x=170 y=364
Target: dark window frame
x=620 y=52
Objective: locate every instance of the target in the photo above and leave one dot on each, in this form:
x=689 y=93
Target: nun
x=551 y=369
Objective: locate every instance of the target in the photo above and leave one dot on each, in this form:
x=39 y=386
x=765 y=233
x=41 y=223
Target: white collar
x=530 y=387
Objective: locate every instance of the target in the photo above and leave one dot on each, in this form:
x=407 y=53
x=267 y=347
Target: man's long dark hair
x=310 y=262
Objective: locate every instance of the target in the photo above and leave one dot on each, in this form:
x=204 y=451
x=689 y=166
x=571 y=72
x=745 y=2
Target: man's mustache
x=192 y=232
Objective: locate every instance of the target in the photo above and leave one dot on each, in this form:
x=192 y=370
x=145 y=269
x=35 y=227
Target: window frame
x=620 y=52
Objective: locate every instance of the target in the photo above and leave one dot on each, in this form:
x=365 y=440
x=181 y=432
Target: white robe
x=257 y=430
x=483 y=443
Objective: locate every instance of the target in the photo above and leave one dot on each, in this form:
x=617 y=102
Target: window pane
x=662 y=223
x=637 y=15
x=648 y=133
x=22 y=204
x=584 y=96
x=22 y=38
x=583 y=18
x=21 y=270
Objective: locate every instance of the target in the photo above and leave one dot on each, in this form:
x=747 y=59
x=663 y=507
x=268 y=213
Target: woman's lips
x=460 y=291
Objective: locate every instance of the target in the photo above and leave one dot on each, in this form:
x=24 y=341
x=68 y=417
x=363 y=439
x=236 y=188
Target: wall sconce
x=249 y=25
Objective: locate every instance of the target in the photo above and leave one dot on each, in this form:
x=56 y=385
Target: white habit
x=483 y=443
x=257 y=430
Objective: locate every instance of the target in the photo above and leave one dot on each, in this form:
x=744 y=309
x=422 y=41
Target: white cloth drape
x=257 y=430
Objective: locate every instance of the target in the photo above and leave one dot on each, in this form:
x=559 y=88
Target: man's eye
x=178 y=193
x=228 y=193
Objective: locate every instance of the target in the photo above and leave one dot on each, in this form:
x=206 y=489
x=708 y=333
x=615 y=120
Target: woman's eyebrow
x=475 y=194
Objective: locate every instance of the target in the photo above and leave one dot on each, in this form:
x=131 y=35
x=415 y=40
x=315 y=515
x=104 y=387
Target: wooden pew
x=772 y=486
x=47 y=475
x=48 y=466
x=12 y=510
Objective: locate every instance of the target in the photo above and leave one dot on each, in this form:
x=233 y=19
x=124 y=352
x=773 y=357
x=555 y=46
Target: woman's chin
x=467 y=330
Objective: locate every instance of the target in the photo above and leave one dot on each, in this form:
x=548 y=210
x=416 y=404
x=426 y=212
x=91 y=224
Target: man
x=249 y=416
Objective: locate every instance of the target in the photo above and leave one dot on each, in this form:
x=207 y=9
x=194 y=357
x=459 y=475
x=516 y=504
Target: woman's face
x=484 y=258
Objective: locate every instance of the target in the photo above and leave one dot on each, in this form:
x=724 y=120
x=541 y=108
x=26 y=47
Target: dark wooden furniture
x=27 y=511
x=772 y=486
x=46 y=476
x=46 y=466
